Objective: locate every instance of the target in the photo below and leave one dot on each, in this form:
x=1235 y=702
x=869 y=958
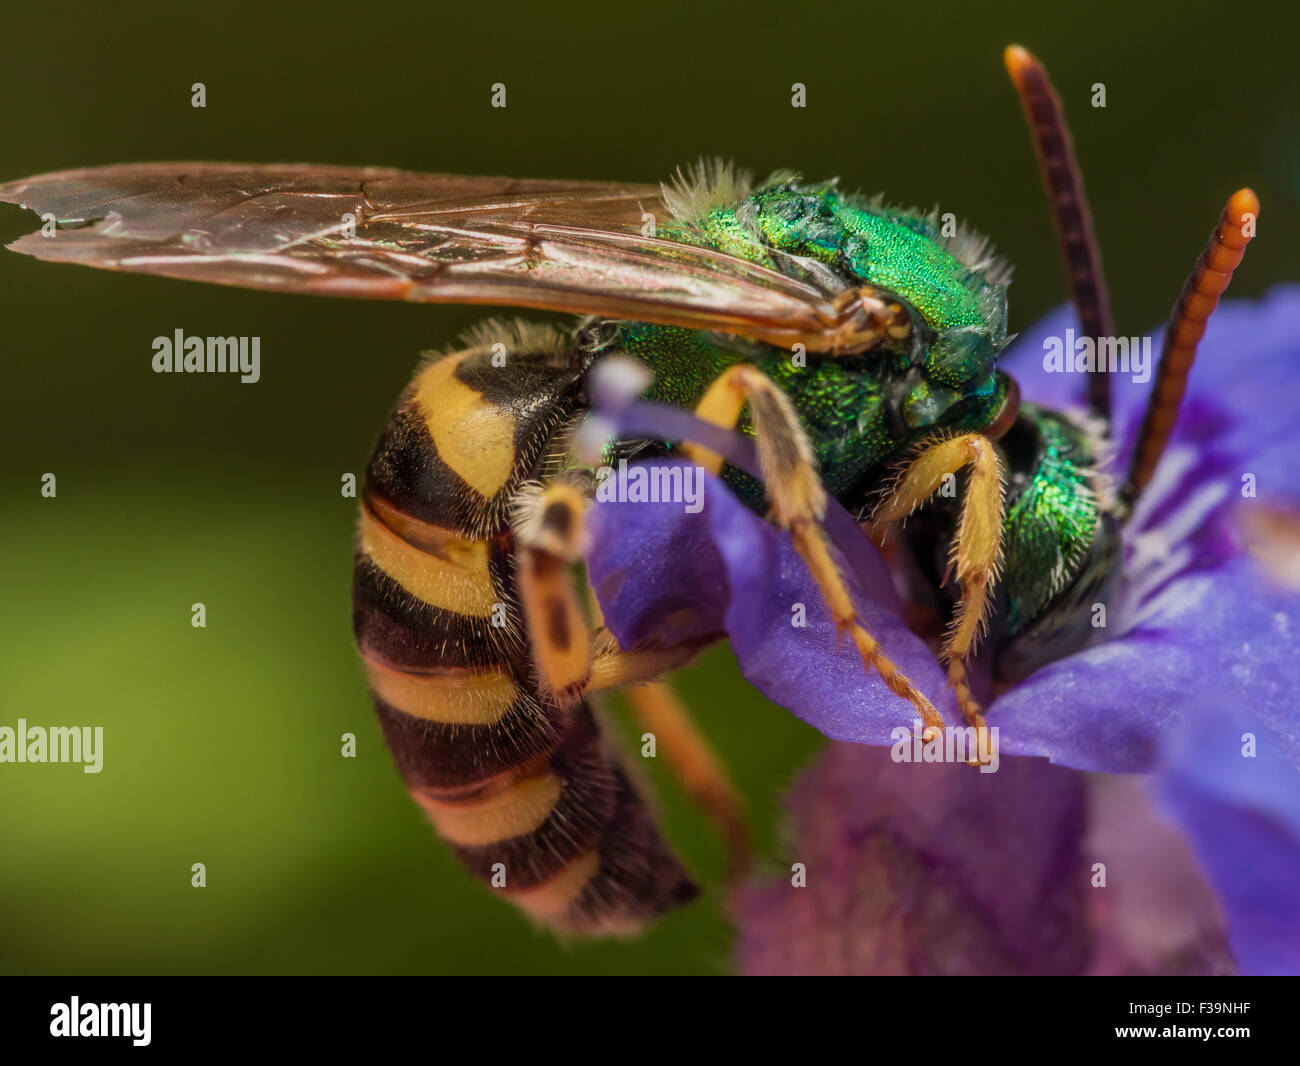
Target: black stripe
x=639 y=878
x=439 y=755
x=395 y=628
x=525 y=386
x=587 y=802
x=406 y=470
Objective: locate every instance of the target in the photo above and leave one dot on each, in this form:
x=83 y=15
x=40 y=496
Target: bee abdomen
x=523 y=790
x=568 y=840
x=459 y=730
x=423 y=611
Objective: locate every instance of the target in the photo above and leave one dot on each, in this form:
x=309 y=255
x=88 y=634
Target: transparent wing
x=399 y=235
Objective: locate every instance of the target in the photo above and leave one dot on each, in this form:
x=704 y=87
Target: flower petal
x=1234 y=785
x=1243 y=393
x=663 y=574
x=924 y=869
x=1194 y=609
x=1108 y=707
x=1150 y=906
x=920 y=869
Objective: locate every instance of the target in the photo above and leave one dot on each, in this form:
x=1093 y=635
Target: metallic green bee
x=855 y=343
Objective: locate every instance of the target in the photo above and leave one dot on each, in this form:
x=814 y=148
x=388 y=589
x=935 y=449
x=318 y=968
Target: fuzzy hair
x=518 y=335
x=709 y=184
x=705 y=186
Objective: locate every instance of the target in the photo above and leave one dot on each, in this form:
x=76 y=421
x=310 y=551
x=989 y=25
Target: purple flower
x=1039 y=869
x=1198 y=653
x=934 y=869
x=892 y=873
x=1229 y=784
x=663 y=574
x=1194 y=608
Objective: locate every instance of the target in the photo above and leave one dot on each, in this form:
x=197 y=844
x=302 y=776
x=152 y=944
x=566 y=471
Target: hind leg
x=548 y=523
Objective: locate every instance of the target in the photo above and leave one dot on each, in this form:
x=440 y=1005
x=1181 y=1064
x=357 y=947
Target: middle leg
x=798 y=503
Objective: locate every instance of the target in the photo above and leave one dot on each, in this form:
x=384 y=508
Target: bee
x=480 y=656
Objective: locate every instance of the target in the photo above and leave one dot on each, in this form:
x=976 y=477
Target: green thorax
x=945 y=274
x=865 y=410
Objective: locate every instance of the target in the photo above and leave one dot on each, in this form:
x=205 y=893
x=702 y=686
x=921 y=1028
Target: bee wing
x=400 y=235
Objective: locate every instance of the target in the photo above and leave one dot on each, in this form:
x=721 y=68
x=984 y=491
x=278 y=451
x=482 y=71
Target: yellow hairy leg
x=696 y=765
x=691 y=759
x=548 y=525
x=798 y=501
x=976 y=549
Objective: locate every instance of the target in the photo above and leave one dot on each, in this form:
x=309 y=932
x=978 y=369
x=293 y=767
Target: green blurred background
x=222 y=744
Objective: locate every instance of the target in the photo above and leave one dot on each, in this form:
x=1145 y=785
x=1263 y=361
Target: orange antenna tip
x=1071 y=216
x=1018 y=60
x=1241 y=203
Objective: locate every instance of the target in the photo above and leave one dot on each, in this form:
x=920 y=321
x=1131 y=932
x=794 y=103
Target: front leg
x=872 y=319
x=976 y=549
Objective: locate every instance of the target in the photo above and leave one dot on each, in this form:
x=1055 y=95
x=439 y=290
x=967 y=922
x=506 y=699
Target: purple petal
x=913 y=869
x=1241 y=812
x=925 y=869
x=1107 y=708
x=1245 y=368
x=661 y=573
x=1155 y=912
x=1194 y=610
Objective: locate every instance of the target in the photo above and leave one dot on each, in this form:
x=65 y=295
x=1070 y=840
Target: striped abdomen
x=525 y=792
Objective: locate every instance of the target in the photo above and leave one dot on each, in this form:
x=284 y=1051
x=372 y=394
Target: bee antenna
x=1071 y=216
x=1200 y=296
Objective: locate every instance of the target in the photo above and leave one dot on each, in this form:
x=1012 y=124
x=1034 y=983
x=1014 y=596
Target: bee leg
x=976 y=549
x=874 y=319
x=696 y=765
x=548 y=524
x=692 y=760
x=798 y=502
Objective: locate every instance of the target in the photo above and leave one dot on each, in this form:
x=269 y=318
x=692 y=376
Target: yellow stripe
x=473 y=436
x=456 y=579
x=517 y=810
x=555 y=896
x=469 y=698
